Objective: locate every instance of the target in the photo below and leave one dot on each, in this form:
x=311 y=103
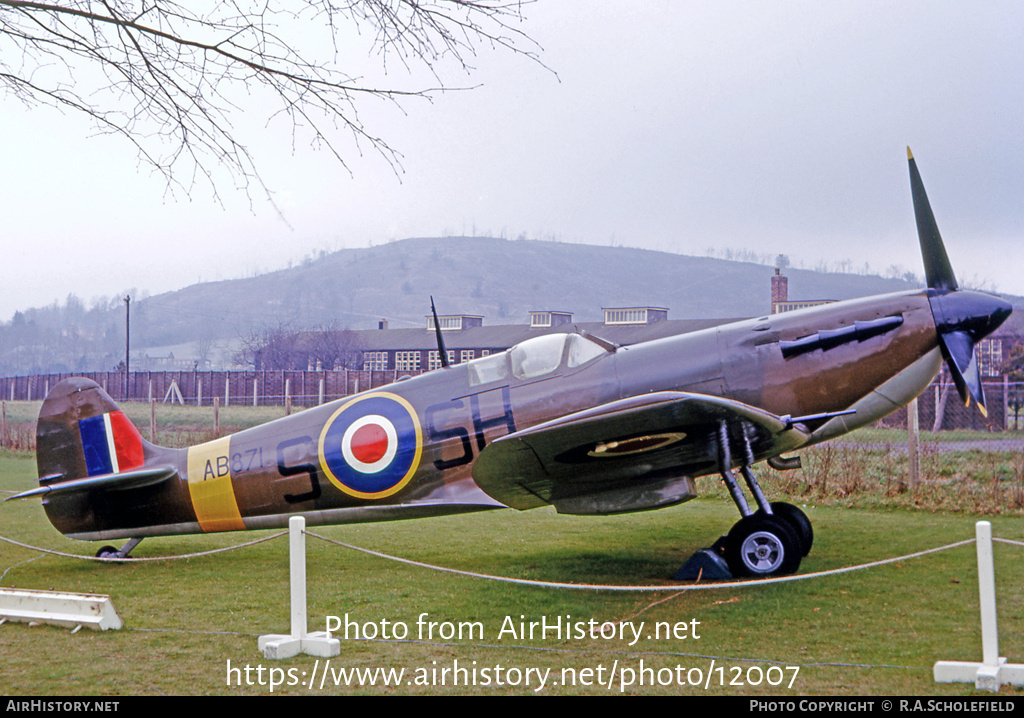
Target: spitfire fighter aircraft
x=567 y=420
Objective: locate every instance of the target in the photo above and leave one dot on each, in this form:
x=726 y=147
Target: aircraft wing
x=636 y=453
x=109 y=482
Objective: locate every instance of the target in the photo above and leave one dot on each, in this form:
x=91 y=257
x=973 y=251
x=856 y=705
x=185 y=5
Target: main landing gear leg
x=770 y=541
x=111 y=552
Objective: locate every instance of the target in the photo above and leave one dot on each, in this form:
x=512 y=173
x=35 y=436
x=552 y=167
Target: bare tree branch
x=169 y=78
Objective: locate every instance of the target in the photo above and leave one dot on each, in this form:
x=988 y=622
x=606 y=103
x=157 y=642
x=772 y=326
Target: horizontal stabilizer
x=106 y=482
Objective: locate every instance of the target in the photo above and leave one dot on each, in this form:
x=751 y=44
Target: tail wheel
x=762 y=546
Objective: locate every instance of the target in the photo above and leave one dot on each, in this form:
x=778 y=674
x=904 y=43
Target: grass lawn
x=192 y=624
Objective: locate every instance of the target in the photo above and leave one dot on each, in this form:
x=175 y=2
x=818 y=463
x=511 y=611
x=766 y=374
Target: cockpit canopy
x=536 y=357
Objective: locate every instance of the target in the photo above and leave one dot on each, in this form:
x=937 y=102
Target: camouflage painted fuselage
x=407 y=450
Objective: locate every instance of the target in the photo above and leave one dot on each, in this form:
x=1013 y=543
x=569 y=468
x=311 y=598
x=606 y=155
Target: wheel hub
x=762 y=552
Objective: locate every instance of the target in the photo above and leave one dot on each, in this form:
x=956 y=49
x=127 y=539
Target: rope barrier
x=521 y=581
x=595 y=587
x=52 y=552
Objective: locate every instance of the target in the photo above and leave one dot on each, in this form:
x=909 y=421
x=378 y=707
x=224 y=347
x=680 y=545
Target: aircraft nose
x=975 y=313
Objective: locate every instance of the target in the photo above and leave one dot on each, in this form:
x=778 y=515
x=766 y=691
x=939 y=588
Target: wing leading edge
x=629 y=455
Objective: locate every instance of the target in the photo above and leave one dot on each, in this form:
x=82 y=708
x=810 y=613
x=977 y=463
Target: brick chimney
x=780 y=289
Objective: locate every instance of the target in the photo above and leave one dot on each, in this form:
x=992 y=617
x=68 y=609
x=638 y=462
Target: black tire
x=797 y=521
x=762 y=546
x=107 y=552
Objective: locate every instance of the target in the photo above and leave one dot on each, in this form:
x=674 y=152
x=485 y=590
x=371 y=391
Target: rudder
x=81 y=432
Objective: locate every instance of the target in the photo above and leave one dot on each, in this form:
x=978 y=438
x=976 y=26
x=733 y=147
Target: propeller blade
x=962 y=318
x=937 y=269
x=958 y=350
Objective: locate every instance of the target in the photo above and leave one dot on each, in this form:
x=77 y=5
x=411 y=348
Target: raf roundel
x=371 y=446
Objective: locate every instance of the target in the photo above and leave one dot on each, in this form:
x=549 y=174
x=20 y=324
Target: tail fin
x=84 y=442
x=85 y=445
x=81 y=433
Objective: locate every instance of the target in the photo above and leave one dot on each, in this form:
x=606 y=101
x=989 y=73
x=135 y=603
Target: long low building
x=467 y=338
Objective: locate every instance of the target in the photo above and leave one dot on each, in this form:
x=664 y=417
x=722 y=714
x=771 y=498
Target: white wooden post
x=298 y=641
x=993 y=671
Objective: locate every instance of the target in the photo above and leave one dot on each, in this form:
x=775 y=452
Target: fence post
x=913 y=443
x=1006 y=401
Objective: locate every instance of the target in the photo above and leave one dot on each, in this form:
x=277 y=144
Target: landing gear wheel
x=107 y=552
x=797 y=521
x=762 y=546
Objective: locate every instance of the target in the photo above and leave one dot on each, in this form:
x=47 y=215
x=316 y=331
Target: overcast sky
x=775 y=127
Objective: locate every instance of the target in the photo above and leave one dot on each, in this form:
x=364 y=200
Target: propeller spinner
x=962 y=318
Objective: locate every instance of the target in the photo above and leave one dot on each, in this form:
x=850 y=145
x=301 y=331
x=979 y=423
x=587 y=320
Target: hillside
x=500 y=279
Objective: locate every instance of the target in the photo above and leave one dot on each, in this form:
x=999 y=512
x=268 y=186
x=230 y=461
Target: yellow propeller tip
x=910 y=155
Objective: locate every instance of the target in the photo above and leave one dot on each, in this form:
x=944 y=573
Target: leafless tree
x=272 y=348
x=334 y=348
x=326 y=347
x=169 y=77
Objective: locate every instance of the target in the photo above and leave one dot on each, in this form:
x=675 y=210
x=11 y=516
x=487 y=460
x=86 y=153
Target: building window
x=407 y=361
x=990 y=356
x=540 y=319
x=467 y=355
x=625 y=316
x=447 y=323
x=434 y=359
x=781 y=307
x=375 y=361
